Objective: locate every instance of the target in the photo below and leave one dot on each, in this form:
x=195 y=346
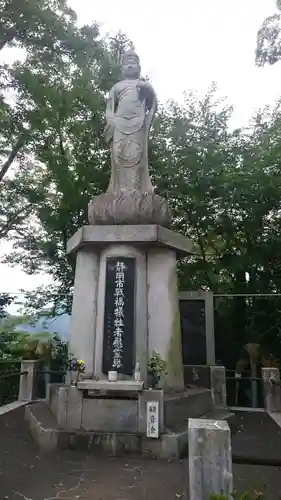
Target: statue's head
x=131 y=65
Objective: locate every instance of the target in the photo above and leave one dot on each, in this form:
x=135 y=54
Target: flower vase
x=153 y=380
x=72 y=377
x=77 y=378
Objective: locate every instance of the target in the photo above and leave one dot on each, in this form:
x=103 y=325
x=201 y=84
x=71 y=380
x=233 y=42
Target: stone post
x=208 y=299
x=271 y=391
x=164 y=331
x=82 y=331
x=27 y=389
x=210 y=463
x=69 y=408
x=210 y=329
x=218 y=386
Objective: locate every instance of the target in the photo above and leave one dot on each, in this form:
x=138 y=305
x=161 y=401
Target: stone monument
x=126 y=257
x=126 y=301
x=130 y=197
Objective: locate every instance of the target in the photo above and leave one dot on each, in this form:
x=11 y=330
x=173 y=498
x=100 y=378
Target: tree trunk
x=17 y=147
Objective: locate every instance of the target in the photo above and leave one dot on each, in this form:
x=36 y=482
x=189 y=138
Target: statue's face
x=131 y=67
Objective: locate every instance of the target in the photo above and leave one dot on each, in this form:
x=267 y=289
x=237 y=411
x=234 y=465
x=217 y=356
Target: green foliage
x=5 y=300
x=268 y=50
x=254 y=495
x=19 y=344
x=225 y=191
x=51 y=135
x=224 y=186
x=9 y=386
x=156 y=365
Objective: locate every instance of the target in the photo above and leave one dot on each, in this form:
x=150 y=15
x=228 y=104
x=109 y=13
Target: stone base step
x=221 y=414
x=49 y=438
x=42 y=426
x=192 y=403
x=173 y=444
x=179 y=406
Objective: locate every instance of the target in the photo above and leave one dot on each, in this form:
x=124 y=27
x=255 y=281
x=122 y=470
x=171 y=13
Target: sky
x=182 y=45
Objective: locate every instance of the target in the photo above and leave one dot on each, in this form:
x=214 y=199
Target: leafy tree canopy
x=268 y=50
x=224 y=186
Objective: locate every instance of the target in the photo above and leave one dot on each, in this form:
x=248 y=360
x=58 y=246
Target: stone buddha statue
x=130 y=197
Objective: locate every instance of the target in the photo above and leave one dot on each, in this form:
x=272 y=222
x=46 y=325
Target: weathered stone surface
x=74 y=408
x=129 y=207
x=112 y=444
x=69 y=408
x=149 y=235
x=105 y=385
x=28 y=382
x=171 y=445
x=82 y=329
x=179 y=407
x=42 y=427
x=210 y=463
x=12 y=406
x=164 y=331
x=49 y=437
x=110 y=415
x=52 y=397
x=272 y=392
x=218 y=386
x=130 y=197
x=144 y=397
x=61 y=414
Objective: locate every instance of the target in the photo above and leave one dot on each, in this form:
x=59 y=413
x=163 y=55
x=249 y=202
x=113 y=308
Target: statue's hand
x=142 y=84
x=146 y=92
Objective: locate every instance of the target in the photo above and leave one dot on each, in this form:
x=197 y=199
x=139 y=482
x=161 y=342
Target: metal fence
x=245 y=391
x=240 y=319
x=10 y=373
x=53 y=374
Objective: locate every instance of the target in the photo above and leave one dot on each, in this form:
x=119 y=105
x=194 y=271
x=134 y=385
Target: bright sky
x=184 y=44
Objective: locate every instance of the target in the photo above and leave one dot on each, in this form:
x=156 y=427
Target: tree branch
x=11 y=11
x=4 y=42
x=9 y=224
x=17 y=147
x=203 y=253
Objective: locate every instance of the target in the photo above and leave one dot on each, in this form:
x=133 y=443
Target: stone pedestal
x=126 y=306
x=28 y=385
x=218 y=386
x=210 y=463
x=117 y=417
x=272 y=391
x=164 y=332
x=154 y=299
x=82 y=333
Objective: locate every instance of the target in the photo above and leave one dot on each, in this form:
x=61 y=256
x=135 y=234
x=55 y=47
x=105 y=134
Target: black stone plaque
x=193 y=331
x=119 y=316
